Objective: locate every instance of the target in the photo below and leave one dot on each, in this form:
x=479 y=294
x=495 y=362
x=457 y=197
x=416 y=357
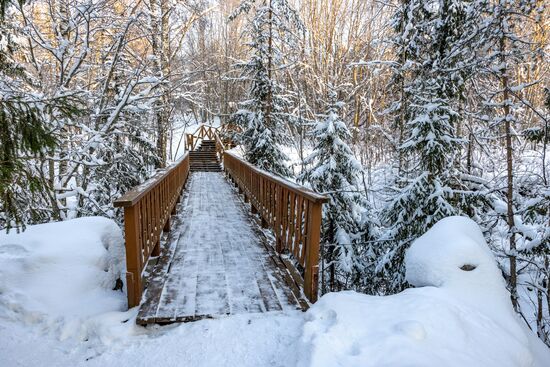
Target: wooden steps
x=205 y=159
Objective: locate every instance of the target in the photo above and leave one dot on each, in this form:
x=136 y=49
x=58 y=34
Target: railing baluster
x=284 y=220
x=291 y=220
x=298 y=229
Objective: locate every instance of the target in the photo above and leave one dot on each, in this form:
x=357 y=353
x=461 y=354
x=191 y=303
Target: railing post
x=133 y=255
x=311 y=273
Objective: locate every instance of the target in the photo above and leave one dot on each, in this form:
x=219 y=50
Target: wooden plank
x=156 y=280
x=211 y=298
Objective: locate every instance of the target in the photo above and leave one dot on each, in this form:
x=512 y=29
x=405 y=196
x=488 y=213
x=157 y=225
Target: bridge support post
x=156 y=250
x=311 y=273
x=133 y=255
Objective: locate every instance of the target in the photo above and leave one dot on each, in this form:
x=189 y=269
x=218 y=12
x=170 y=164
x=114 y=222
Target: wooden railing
x=208 y=132
x=291 y=211
x=147 y=211
x=201 y=133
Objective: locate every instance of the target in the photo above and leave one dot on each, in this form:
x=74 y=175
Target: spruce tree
x=433 y=45
x=332 y=169
x=263 y=118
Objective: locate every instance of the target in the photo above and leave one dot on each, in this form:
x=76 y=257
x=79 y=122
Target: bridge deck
x=216 y=261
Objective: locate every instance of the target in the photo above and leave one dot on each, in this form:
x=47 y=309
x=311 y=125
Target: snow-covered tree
x=507 y=48
x=263 y=118
x=434 y=58
x=27 y=117
x=332 y=169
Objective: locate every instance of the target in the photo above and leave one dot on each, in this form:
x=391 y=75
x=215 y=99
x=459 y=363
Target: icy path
x=219 y=265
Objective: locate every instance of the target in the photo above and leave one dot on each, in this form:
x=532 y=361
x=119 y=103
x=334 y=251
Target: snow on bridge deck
x=216 y=262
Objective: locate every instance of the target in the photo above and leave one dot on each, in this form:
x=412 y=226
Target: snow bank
x=460 y=316
x=61 y=276
x=57 y=308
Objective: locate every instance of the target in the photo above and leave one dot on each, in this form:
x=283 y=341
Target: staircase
x=205 y=158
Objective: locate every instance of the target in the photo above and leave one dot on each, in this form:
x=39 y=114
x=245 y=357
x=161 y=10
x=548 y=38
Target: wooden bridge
x=198 y=247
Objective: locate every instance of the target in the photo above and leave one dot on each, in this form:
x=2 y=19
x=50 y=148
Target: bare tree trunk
x=56 y=213
x=160 y=47
x=269 y=66
x=469 y=154
x=509 y=176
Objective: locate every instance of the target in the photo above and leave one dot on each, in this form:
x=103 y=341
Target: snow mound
x=460 y=316
x=61 y=275
x=453 y=255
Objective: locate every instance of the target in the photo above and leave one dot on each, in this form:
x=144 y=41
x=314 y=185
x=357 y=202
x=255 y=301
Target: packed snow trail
x=219 y=265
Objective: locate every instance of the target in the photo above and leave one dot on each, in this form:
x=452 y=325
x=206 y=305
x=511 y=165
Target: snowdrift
x=61 y=275
x=460 y=314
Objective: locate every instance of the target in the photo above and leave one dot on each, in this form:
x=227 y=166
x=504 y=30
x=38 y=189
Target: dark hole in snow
x=467 y=267
x=118 y=285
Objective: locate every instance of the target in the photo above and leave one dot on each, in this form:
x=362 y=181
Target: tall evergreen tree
x=503 y=48
x=433 y=40
x=263 y=118
x=332 y=169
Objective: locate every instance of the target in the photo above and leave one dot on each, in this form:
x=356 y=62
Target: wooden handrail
x=210 y=132
x=147 y=211
x=297 y=189
x=291 y=211
x=203 y=131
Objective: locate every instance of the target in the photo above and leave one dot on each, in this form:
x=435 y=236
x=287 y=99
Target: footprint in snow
x=13 y=251
x=412 y=329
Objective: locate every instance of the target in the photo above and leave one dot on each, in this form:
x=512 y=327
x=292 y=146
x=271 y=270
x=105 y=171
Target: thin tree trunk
x=269 y=66
x=509 y=176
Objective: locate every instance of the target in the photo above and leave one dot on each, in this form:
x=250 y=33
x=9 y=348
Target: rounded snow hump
x=453 y=254
x=454 y=257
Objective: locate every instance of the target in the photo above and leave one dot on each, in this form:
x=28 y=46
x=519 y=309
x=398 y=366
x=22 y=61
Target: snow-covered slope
x=460 y=315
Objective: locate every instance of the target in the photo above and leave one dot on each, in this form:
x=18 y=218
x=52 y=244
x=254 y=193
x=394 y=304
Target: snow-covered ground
x=460 y=314
x=58 y=308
